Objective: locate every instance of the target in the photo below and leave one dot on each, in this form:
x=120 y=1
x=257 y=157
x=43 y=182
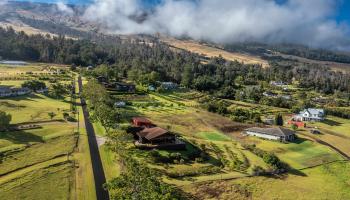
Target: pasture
x=209 y=51
x=324 y=182
x=38 y=163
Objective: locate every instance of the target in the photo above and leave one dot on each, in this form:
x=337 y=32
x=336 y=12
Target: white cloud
x=3 y=2
x=298 y=21
x=62 y=7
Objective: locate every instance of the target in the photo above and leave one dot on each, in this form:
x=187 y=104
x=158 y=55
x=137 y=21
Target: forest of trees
x=144 y=63
x=290 y=49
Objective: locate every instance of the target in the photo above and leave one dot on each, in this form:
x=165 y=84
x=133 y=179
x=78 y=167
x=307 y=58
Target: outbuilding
x=279 y=133
x=142 y=122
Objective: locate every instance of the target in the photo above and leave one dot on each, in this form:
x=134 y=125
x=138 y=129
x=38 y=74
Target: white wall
x=269 y=137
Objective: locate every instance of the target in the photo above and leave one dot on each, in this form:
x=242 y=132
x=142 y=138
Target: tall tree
x=5 y=120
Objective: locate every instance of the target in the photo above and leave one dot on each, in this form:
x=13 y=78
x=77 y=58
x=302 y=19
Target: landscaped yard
x=300 y=154
x=34 y=107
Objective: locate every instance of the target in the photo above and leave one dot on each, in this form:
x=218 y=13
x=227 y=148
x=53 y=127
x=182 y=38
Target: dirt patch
x=209 y=51
x=221 y=190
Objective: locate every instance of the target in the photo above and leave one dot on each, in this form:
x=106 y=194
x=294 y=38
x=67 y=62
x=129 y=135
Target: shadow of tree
x=299 y=140
x=30 y=97
x=20 y=137
x=331 y=122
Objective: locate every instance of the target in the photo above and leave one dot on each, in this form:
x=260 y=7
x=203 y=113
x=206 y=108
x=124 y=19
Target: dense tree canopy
x=152 y=61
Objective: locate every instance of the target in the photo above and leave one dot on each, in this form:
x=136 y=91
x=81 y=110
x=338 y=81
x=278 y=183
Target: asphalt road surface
x=97 y=167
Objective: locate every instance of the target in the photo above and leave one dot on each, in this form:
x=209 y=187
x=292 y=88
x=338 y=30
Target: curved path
x=97 y=167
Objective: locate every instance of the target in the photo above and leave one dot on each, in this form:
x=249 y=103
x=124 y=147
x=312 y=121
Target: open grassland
x=30 y=155
x=34 y=136
x=34 y=107
x=50 y=182
x=334 y=124
x=48 y=162
x=338 y=67
x=301 y=153
x=329 y=181
x=208 y=51
x=334 y=131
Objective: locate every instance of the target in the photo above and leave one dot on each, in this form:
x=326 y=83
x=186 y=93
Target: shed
x=142 y=122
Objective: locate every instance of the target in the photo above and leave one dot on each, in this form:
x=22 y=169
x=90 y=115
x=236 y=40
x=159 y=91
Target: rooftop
x=151 y=133
x=272 y=131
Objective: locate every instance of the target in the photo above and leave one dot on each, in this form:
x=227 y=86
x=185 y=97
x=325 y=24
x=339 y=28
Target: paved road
x=97 y=167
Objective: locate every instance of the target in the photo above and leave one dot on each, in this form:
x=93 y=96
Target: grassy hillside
x=208 y=51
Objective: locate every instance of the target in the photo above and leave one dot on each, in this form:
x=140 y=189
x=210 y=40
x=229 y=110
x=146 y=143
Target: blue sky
x=343 y=13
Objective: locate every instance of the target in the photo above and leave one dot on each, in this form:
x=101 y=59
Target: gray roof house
x=310 y=114
x=278 y=134
x=12 y=92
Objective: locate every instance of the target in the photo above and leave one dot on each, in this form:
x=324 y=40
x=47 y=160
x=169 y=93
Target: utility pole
x=78 y=123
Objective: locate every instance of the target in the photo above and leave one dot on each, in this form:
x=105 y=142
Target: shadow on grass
x=20 y=137
x=299 y=141
x=296 y=172
x=30 y=97
x=331 y=122
x=11 y=105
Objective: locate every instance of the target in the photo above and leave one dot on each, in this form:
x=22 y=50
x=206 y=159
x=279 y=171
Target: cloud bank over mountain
x=294 y=21
x=3 y=2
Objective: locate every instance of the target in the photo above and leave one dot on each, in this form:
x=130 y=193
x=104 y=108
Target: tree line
x=150 y=61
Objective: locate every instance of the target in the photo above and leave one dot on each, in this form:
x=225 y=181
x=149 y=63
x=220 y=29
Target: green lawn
x=33 y=107
x=213 y=136
x=325 y=182
x=110 y=164
x=334 y=124
x=301 y=154
x=37 y=153
x=52 y=182
x=33 y=136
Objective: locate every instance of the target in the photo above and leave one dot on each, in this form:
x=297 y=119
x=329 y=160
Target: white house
x=279 y=133
x=310 y=114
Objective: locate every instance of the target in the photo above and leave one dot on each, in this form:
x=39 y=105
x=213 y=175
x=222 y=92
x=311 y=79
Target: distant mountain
x=46 y=18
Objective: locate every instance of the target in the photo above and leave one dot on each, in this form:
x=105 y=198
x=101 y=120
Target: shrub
x=71 y=119
x=257 y=171
x=193 y=172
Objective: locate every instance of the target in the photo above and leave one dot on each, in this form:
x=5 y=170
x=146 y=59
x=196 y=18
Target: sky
x=316 y=23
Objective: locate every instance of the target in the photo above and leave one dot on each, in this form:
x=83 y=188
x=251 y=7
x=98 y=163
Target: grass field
x=325 y=182
x=301 y=154
x=213 y=136
x=208 y=51
x=110 y=164
x=50 y=182
x=34 y=107
x=41 y=163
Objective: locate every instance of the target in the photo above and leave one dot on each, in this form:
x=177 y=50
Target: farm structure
x=279 y=133
x=149 y=136
x=13 y=92
x=142 y=122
